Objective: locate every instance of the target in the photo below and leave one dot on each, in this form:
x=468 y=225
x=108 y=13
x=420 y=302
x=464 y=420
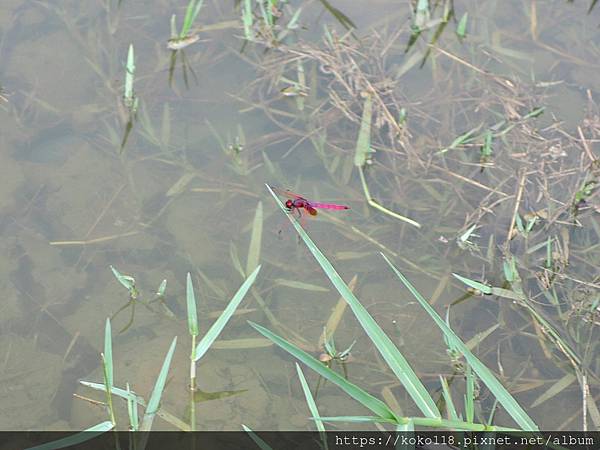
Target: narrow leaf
x=461 y=29
x=78 y=438
x=257 y=440
x=484 y=288
x=220 y=323
x=310 y=401
x=191 y=307
x=255 y=239
x=108 y=352
x=159 y=386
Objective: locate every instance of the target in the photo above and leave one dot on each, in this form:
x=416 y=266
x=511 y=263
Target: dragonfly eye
x=289 y=204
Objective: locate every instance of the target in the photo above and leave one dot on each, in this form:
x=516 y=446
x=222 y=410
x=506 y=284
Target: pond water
x=482 y=164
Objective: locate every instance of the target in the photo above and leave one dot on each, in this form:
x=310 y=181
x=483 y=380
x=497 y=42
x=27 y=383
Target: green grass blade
x=114 y=390
x=255 y=239
x=159 y=386
x=108 y=352
x=187 y=19
x=460 y=140
x=310 y=401
x=470 y=395
x=484 y=288
x=363 y=397
x=448 y=399
x=128 y=94
x=461 y=29
x=162 y=288
x=191 y=13
x=489 y=290
x=258 y=441
x=382 y=342
x=356 y=419
x=266 y=13
x=192 y=315
x=421 y=14
x=78 y=438
x=127 y=281
x=132 y=411
x=247 y=20
x=197 y=10
x=408 y=427
x=173 y=27
x=293 y=23
x=109 y=403
x=506 y=400
x=379 y=207
x=220 y=323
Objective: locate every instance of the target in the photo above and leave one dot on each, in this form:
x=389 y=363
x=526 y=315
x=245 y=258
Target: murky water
x=179 y=191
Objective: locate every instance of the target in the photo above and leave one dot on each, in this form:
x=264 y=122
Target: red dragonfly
x=296 y=202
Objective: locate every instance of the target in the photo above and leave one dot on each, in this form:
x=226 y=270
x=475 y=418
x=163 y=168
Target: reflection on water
x=498 y=130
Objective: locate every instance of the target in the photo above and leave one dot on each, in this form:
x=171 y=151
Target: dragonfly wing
x=312 y=211
x=328 y=205
x=286 y=193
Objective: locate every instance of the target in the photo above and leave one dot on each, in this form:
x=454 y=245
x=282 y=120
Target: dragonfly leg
x=302 y=220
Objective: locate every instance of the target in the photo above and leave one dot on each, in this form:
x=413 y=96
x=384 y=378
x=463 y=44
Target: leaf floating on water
x=363 y=143
x=336 y=315
x=300 y=285
x=235 y=259
x=181 y=184
x=238 y=312
x=244 y=343
x=555 y=389
x=341 y=256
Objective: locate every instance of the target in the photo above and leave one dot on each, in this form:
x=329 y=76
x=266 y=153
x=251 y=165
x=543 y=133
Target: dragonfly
x=295 y=203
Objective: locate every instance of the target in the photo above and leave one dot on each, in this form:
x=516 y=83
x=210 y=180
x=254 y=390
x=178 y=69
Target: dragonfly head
x=289 y=204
